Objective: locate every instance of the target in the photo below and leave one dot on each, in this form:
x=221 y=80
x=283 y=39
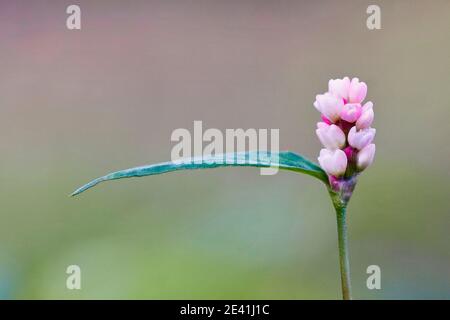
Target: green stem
x=343 y=252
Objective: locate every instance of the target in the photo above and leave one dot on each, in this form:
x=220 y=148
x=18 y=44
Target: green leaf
x=286 y=160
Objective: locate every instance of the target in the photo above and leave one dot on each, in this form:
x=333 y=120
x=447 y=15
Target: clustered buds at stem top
x=345 y=133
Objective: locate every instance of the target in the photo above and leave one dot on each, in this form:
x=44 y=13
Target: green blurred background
x=78 y=104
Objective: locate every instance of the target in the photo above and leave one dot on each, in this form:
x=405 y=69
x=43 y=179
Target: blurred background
x=78 y=104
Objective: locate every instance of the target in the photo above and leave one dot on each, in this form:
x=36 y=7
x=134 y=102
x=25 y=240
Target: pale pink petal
x=365 y=157
x=357 y=92
x=329 y=105
x=360 y=138
x=339 y=87
x=331 y=136
x=366 y=118
x=351 y=112
x=333 y=162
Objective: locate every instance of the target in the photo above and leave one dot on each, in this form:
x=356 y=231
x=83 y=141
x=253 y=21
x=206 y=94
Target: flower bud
x=365 y=157
x=339 y=87
x=357 y=91
x=334 y=162
x=329 y=105
x=331 y=136
x=351 y=112
x=366 y=118
x=360 y=139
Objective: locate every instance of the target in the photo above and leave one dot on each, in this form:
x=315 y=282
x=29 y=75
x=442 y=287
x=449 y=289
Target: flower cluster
x=345 y=130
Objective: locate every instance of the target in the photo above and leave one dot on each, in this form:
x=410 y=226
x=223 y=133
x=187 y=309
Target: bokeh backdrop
x=77 y=104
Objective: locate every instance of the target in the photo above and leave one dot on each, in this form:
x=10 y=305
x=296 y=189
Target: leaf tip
x=75 y=193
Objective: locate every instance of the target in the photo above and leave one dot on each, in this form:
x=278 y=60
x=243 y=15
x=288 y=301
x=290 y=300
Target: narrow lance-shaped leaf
x=283 y=160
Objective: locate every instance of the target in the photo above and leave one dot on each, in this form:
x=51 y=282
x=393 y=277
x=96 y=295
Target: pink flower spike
x=331 y=136
x=366 y=118
x=334 y=162
x=339 y=87
x=357 y=92
x=360 y=139
x=345 y=132
x=351 y=112
x=365 y=157
x=329 y=105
